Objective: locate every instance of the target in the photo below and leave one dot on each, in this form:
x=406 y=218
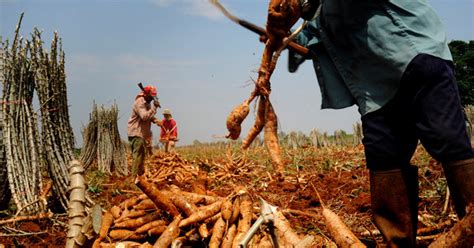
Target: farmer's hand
x=158 y=122
x=282 y=15
x=309 y=8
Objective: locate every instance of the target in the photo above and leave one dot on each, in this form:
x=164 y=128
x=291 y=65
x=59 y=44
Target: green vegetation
x=95 y=181
x=463 y=56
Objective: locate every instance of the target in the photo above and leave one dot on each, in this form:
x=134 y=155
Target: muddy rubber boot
x=411 y=179
x=394 y=195
x=460 y=177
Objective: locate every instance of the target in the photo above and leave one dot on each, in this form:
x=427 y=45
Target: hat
x=150 y=90
x=166 y=112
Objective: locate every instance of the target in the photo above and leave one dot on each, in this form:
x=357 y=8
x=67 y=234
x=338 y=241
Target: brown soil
x=51 y=234
x=339 y=175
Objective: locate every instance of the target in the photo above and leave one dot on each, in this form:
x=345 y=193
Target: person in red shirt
x=169 y=131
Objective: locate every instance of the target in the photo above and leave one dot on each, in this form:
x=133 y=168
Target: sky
x=201 y=63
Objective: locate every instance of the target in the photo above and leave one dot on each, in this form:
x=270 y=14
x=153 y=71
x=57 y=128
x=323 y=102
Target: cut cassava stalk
x=45 y=192
x=56 y=132
x=87 y=231
x=434 y=229
x=77 y=200
x=89 y=135
x=102 y=142
x=27 y=218
x=20 y=133
x=27 y=67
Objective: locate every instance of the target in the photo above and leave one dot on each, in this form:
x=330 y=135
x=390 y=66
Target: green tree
x=463 y=56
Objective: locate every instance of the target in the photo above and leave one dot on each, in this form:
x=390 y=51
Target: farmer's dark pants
x=137 y=145
x=426 y=108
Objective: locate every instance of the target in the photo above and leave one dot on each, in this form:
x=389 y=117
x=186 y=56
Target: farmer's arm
x=174 y=130
x=307 y=38
x=142 y=111
x=157 y=122
x=163 y=132
x=165 y=129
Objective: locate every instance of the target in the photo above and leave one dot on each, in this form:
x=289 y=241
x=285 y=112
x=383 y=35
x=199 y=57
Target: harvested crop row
x=162 y=167
x=166 y=215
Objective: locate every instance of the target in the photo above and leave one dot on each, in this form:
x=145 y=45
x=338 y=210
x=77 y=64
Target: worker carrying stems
x=169 y=131
x=391 y=59
x=139 y=127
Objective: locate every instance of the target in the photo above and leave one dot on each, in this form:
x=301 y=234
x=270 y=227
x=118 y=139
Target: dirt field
x=337 y=173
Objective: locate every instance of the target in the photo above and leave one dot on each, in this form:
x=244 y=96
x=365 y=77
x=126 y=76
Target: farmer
x=169 y=131
x=139 y=127
x=391 y=59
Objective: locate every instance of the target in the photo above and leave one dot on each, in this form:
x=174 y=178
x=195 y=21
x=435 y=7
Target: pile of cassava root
x=168 y=216
x=170 y=166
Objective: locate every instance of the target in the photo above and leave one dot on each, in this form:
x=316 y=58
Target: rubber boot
x=411 y=179
x=460 y=177
x=394 y=196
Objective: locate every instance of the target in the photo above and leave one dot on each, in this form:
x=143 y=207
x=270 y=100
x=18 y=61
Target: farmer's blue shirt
x=363 y=47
